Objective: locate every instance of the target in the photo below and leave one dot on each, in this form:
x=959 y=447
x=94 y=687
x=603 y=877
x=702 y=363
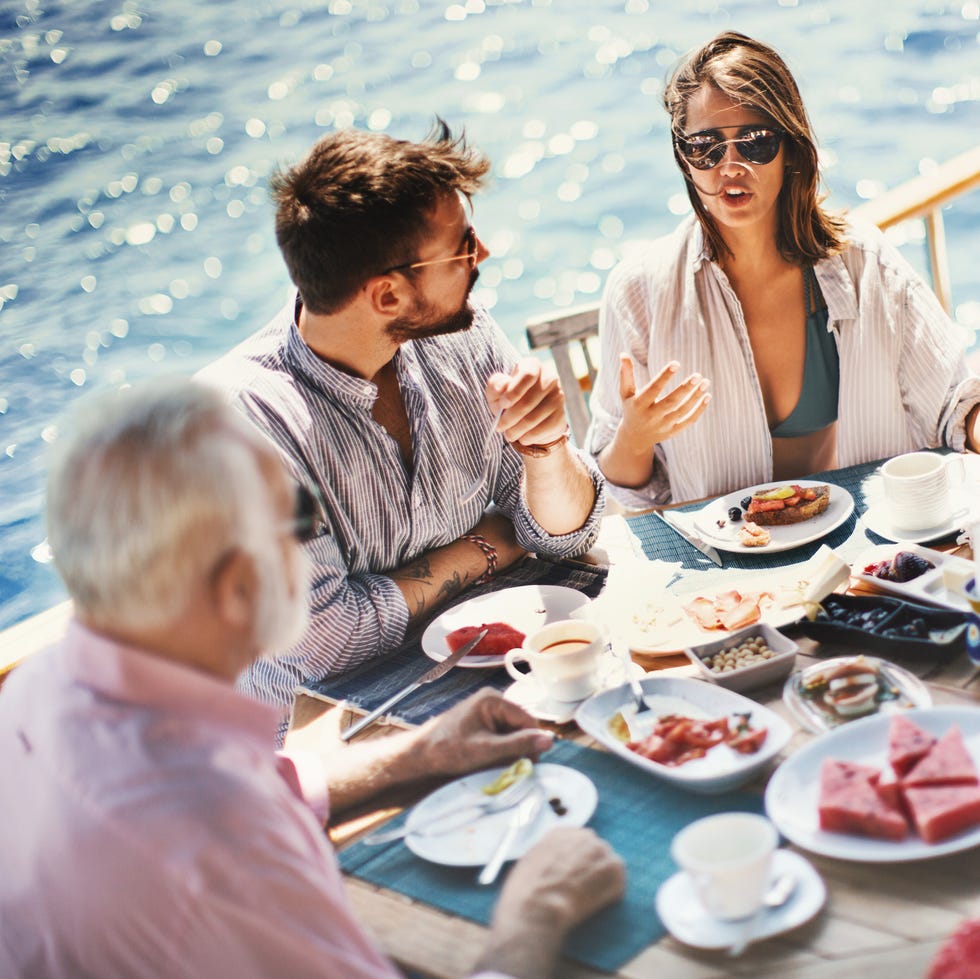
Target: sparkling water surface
x=138 y=137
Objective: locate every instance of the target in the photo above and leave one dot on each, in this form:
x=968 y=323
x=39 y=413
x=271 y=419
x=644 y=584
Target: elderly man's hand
x=483 y=731
x=532 y=401
x=563 y=879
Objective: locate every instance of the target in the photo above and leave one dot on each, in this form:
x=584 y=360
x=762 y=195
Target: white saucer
x=530 y=695
x=685 y=918
x=877 y=520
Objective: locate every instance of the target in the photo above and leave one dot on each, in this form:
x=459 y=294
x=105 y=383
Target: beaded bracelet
x=489 y=552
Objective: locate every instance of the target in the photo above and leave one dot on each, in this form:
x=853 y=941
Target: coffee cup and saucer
x=730 y=865
x=567 y=662
x=920 y=498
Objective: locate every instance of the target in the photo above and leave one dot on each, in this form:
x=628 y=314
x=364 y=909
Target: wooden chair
x=559 y=332
x=921 y=197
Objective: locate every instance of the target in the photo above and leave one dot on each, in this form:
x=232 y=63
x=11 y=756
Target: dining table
x=879 y=918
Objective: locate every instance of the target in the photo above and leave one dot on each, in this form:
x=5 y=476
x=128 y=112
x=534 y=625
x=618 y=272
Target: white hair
x=152 y=487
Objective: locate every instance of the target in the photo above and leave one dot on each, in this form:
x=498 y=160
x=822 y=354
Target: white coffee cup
x=563 y=658
x=729 y=860
x=918 y=489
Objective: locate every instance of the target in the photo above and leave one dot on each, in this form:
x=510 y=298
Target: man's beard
x=283 y=604
x=422 y=321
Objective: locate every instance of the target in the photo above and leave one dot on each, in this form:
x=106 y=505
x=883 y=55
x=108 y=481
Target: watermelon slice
x=499 y=639
x=888 y=786
x=941 y=811
x=959 y=958
x=907 y=743
x=850 y=804
x=947 y=763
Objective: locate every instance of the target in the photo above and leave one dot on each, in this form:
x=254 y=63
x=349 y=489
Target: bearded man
x=439 y=455
x=149 y=829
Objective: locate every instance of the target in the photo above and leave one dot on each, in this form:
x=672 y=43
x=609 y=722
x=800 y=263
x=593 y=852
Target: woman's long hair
x=753 y=74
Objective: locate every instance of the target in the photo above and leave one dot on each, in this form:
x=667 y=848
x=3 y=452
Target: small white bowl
x=757 y=674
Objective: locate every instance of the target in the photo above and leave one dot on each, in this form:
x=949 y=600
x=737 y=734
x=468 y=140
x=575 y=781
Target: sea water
x=138 y=137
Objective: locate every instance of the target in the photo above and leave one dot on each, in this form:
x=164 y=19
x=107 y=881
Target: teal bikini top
x=817 y=406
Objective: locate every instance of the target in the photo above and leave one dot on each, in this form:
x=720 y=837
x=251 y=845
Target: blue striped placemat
x=660 y=542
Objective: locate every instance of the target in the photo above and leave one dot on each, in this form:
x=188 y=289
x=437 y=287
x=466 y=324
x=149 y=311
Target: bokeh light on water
x=138 y=139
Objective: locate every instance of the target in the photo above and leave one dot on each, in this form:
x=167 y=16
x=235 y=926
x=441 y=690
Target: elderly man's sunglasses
x=705 y=150
x=469 y=254
x=307 y=516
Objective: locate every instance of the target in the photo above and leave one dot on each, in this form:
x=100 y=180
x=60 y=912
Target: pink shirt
x=147 y=829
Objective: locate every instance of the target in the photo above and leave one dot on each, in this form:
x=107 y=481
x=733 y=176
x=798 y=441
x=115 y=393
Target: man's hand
x=563 y=879
x=532 y=402
x=483 y=731
x=654 y=414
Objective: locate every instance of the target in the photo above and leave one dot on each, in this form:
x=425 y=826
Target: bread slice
x=798 y=512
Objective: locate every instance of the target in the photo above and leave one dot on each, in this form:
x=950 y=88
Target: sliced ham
x=728 y=610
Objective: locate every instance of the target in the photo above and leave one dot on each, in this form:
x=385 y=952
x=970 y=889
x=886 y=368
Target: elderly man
x=390 y=393
x=148 y=828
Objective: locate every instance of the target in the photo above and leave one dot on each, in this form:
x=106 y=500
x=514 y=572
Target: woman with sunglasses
x=808 y=342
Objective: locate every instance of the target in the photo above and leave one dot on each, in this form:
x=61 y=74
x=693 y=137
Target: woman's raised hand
x=656 y=412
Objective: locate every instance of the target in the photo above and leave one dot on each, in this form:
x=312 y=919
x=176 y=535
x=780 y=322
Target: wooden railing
x=569 y=333
x=923 y=197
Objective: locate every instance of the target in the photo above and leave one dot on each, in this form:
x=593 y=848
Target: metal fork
x=635 y=720
x=477 y=483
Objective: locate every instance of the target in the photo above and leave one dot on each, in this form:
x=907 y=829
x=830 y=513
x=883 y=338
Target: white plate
x=793 y=793
x=721 y=768
x=473 y=845
x=527 y=608
x=661 y=627
x=685 y=918
x=929 y=587
x=530 y=695
x=783 y=538
x=878 y=520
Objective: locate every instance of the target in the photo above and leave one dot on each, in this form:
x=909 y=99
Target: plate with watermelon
x=508 y=615
x=885 y=789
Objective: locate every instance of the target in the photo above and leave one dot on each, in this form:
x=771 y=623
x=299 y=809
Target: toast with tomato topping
x=788 y=504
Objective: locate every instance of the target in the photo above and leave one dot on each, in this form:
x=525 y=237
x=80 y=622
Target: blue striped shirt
x=379 y=514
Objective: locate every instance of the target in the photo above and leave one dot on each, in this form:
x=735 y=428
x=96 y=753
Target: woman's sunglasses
x=704 y=151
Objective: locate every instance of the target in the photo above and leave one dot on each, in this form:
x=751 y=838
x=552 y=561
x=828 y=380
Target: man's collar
x=134 y=676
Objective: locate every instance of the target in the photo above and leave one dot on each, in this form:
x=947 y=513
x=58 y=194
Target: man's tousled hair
x=356 y=206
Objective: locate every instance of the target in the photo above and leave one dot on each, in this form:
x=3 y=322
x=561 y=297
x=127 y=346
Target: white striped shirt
x=904 y=383
x=379 y=515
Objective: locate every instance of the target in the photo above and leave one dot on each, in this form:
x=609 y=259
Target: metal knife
x=525 y=814
x=440 y=669
x=707 y=550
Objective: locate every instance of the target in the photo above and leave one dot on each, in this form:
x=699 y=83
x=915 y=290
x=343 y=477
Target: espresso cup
x=918 y=489
x=729 y=860
x=562 y=657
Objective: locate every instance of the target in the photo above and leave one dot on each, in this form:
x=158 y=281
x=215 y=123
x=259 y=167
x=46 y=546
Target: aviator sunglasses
x=469 y=254
x=705 y=150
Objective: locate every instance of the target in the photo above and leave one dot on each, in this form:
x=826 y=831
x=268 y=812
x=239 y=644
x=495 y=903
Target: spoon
x=449 y=819
x=777 y=894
